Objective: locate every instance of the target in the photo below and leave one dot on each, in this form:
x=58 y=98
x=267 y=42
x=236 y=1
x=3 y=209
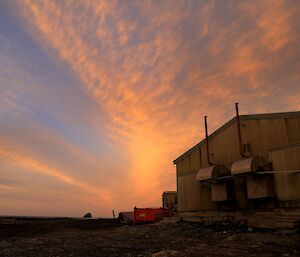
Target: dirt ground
x=60 y=238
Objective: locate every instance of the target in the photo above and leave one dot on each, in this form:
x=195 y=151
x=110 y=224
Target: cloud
x=37 y=166
x=153 y=69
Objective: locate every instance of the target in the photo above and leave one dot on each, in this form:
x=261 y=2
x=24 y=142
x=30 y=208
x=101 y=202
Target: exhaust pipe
x=239 y=130
x=207 y=146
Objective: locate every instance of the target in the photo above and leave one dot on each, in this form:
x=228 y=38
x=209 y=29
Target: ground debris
x=76 y=238
x=167 y=253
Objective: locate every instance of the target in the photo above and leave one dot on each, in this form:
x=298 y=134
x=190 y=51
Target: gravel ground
x=60 y=238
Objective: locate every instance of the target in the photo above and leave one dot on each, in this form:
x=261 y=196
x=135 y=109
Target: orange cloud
x=156 y=68
x=36 y=166
x=132 y=110
x=273 y=19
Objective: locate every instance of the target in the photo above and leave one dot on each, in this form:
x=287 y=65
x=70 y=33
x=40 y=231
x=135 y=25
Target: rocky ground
x=60 y=238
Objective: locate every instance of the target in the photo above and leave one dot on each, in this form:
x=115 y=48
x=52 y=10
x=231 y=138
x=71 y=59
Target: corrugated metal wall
x=286 y=158
x=260 y=135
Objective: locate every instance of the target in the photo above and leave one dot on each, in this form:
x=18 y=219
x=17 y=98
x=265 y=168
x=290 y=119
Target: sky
x=99 y=97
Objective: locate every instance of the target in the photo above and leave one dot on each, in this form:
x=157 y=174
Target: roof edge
x=261 y=116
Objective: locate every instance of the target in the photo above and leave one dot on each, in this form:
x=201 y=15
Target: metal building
x=169 y=199
x=248 y=168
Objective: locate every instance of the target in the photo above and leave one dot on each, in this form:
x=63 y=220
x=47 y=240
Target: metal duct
x=255 y=164
x=212 y=172
x=239 y=130
x=207 y=145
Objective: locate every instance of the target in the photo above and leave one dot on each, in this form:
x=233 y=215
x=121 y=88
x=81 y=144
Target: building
x=169 y=199
x=247 y=169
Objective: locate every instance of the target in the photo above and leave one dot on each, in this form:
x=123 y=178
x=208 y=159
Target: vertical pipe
x=207 y=145
x=239 y=130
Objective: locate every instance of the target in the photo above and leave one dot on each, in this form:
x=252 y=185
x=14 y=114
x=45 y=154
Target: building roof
x=263 y=116
x=169 y=192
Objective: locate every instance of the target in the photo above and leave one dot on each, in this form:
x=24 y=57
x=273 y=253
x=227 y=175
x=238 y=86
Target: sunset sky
x=99 y=97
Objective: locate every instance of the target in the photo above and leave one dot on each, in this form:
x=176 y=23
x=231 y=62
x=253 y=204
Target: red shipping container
x=144 y=215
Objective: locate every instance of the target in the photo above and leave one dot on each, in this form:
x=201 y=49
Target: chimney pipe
x=239 y=130
x=207 y=146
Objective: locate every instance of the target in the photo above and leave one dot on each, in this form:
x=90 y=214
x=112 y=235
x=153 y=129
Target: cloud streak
x=36 y=166
x=152 y=69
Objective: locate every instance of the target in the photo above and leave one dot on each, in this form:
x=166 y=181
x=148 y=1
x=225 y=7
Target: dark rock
x=207 y=223
x=250 y=229
x=88 y=215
